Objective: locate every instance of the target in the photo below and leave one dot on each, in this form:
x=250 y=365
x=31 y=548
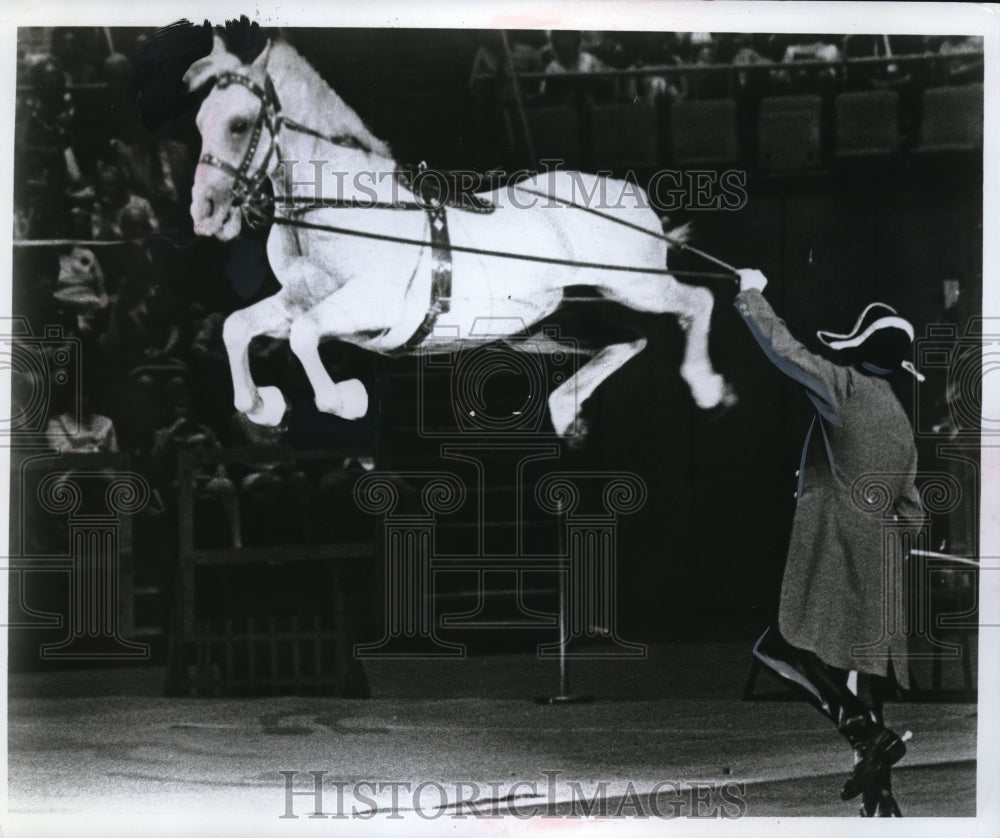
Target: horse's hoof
x=270 y=407
x=348 y=400
x=713 y=414
x=724 y=405
x=577 y=433
x=353 y=399
x=563 y=413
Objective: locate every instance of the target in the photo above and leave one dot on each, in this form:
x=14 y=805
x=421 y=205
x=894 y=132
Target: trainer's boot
x=826 y=688
x=878 y=749
x=877 y=800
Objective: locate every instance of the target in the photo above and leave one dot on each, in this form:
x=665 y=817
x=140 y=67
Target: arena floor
x=113 y=748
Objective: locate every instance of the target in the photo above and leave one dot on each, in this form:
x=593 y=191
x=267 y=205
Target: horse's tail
x=678 y=235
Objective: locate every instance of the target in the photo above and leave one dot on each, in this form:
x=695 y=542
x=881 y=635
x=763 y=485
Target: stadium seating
x=789 y=132
x=704 y=132
x=867 y=123
x=556 y=134
x=625 y=136
x=952 y=119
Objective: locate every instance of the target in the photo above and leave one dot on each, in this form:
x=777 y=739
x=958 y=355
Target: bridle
x=246 y=186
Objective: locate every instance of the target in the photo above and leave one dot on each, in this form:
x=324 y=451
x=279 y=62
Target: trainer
x=833 y=597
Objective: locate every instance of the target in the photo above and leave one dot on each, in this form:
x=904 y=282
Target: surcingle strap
x=440 y=280
x=435 y=188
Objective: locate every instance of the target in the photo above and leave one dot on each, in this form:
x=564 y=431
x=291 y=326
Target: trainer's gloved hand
x=751 y=278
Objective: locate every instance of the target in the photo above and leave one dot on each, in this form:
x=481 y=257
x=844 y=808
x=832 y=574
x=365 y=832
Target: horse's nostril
x=209 y=206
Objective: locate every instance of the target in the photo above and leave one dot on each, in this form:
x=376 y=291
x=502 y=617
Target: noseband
x=246 y=188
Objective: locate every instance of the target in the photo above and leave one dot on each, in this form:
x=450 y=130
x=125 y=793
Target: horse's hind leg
x=566 y=401
x=693 y=307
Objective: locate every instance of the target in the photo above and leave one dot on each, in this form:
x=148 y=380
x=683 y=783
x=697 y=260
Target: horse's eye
x=238 y=126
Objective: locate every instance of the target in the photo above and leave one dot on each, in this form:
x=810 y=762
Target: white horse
x=376 y=293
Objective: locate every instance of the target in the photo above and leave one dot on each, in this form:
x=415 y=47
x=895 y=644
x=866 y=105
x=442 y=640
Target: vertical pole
x=564 y=696
x=563 y=607
x=518 y=103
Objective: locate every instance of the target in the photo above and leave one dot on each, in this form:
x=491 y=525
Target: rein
x=247 y=195
x=500 y=254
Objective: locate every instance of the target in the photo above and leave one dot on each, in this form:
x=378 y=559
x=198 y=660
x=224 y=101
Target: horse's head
x=237 y=127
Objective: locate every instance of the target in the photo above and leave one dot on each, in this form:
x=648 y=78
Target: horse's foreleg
x=271 y=317
x=348 y=399
x=566 y=401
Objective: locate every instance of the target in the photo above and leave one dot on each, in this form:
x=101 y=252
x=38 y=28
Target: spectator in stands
x=157 y=168
x=45 y=154
x=708 y=84
x=204 y=352
x=188 y=434
x=206 y=344
x=80 y=287
x=143 y=341
x=493 y=93
x=605 y=47
x=82 y=430
x=568 y=56
x=963 y=70
x=119 y=211
x=657 y=49
x=810 y=48
x=44 y=212
x=145 y=329
x=77 y=49
x=489 y=80
x=887 y=74
x=157 y=171
x=749 y=52
x=751 y=85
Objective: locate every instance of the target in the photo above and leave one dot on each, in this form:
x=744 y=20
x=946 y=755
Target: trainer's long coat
x=856 y=479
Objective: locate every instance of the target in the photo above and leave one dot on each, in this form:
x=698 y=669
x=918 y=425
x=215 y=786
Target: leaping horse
x=365 y=272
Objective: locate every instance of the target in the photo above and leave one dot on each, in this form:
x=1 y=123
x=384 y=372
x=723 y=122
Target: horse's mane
x=303 y=94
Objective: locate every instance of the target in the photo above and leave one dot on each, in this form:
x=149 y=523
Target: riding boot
x=876 y=750
x=825 y=686
x=877 y=800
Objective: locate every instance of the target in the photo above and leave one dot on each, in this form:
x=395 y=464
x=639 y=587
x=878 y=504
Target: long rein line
x=500 y=254
x=673 y=241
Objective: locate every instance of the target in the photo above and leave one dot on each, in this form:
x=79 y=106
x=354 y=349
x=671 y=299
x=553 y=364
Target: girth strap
x=441 y=270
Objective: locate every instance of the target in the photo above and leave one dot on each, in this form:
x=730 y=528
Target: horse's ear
x=260 y=63
x=205 y=69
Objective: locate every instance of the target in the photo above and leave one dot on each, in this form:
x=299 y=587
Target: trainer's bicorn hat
x=880 y=339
